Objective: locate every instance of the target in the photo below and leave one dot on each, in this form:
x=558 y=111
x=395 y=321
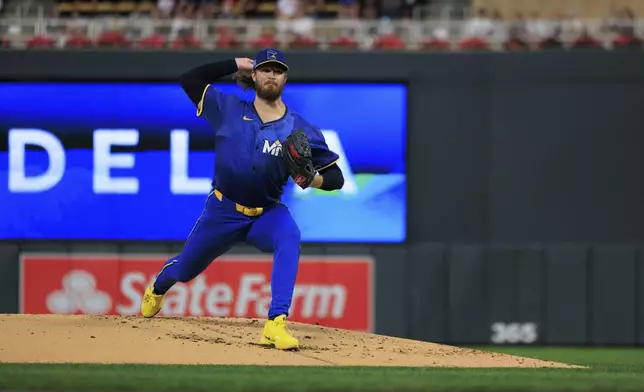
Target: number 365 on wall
x=514 y=333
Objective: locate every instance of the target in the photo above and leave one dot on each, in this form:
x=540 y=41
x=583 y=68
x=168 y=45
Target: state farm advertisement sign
x=332 y=291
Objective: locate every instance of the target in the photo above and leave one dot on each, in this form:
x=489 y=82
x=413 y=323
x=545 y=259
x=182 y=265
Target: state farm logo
x=79 y=293
x=334 y=292
x=248 y=297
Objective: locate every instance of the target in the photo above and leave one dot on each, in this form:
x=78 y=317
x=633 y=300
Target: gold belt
x=248 y=211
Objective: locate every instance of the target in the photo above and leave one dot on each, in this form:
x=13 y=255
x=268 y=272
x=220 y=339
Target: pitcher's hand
x=244 y=64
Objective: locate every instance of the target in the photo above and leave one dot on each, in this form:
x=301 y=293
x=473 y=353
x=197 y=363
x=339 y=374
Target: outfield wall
x=524 y=193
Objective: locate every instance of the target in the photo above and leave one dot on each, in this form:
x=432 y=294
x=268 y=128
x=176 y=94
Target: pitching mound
x=111 y=339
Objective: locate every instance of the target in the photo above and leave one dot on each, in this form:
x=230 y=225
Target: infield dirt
x=221 y=341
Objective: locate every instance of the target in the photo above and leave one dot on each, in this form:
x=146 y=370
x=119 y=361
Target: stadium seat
x=586 y=41
x=78 y=41
x=187 y=42
x=112 y=39
x=154 y=41
x=343 y=42
x=474 y=44
x=227 y=42
x=516 y=44
x=435 y=44
x=389 y=42
x=624 y=41
x=263 y=41
x=300 y=42
x=551 y=43
x=40 y=41
x=226 y=38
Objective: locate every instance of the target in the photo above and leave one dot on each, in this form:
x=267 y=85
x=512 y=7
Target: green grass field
x=610 y=369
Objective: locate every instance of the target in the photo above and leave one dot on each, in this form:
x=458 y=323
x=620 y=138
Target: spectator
x=499 y=27
x=481 y=26
x=536 y=28
x=348 y=9
x=441 y=33
x=245 y=8
x=571 y=26
x=294 y=19
x=286 y=10
x=227 y=9
x=408 y=9
x=391 y=9
x=518 y=28
x=205 y=10
x=370 y=11
x=439 y=39
x=627 y=23
x=623 y=23
x=180 y=23
x=186 y=40
x=165 y=8
x=303 y=24
x=553 y=41
x=516 y=39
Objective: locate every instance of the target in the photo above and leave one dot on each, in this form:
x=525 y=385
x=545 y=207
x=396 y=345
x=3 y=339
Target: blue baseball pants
x=219 y=227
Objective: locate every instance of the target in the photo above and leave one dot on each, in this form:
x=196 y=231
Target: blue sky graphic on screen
x=131 y=161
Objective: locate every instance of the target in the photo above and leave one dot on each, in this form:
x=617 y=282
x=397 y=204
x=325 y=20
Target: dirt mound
x=114 y=339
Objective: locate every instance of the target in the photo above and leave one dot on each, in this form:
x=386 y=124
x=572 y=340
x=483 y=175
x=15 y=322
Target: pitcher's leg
x=214 y=233
x=200 y=249
x=276 y=231
x=285 y=265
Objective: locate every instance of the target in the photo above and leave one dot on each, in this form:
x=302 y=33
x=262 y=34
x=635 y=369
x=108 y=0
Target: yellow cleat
x=276 y=334
x=152 y=303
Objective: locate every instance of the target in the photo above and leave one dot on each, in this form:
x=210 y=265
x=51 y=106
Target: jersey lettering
x=274 y=149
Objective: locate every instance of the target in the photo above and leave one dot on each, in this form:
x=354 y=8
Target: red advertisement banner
x=332 y=291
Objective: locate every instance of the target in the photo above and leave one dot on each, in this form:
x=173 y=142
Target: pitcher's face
x=269 y=81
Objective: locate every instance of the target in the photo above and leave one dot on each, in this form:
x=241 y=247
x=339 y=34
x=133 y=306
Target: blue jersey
x=248 y=165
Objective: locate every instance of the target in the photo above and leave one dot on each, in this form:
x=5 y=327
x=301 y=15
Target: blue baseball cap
x=269 y=55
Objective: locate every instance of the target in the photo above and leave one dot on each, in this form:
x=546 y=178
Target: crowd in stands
x=533 y=31
x=390 y=24
x=247 y=9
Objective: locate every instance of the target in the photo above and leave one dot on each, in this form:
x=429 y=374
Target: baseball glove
x=296 y=152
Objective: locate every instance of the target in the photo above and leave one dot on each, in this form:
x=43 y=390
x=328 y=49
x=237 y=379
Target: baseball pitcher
x=259 y=146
